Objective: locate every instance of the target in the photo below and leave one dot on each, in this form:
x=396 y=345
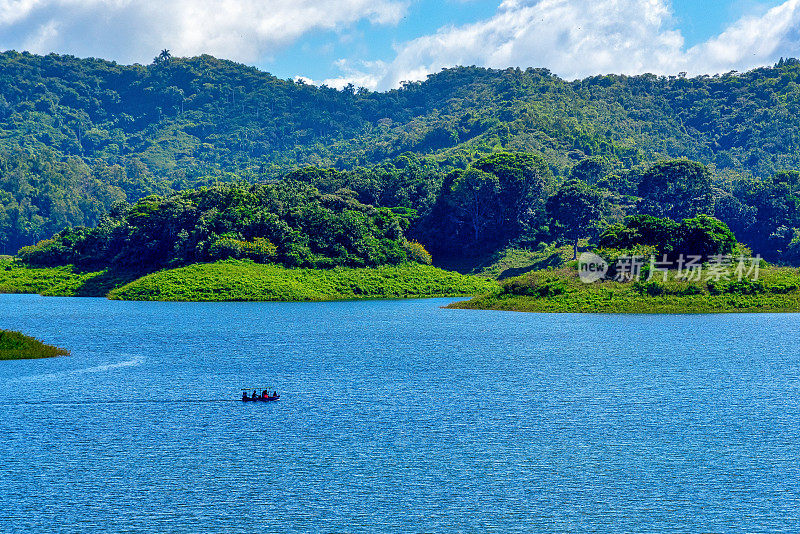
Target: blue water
x=397 y=416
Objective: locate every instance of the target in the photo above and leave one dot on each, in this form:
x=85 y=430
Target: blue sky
x=701 y=19
x=378 y=43
x=315 y=55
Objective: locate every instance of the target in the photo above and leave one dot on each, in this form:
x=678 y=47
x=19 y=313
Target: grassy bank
x=16 y=278
x=242 y=280
x=248 y=281
x=64 y=281
x=17 y=346
x=560 y=290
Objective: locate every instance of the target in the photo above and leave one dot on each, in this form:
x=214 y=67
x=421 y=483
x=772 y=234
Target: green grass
x=233 y=280
x=242 y=280
x=16 y=278
x=64 y=281
x=18 y=346
x=562 y=291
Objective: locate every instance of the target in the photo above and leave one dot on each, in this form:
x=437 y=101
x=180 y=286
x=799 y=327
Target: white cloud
x=135 y=30
x=15 y=10
x=750 y=42
x=360 y=73
x=577 y=38
x=573 y=38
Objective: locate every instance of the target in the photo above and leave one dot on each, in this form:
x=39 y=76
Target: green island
x=216 y=244
x=561 y=291
x=247 y=281
x=692 y=266
x=18 y=346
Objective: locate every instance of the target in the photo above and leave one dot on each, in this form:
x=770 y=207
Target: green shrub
x=736 y=287
x=686 y=290
x=532 y=286
x=416 y=252
x=783 y=288
x=655 y=288
x=259 y=249
x=652 y=288
x=47 y=252
x=248 y=281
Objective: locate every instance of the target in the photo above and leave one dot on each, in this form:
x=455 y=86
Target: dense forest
x=466 y=162
x=287 y=222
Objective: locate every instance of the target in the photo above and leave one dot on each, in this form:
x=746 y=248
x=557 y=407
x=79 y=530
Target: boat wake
x=133 y=362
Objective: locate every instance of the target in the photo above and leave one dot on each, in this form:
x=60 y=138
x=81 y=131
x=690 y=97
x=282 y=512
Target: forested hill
x=78 y=135
x=185 y=117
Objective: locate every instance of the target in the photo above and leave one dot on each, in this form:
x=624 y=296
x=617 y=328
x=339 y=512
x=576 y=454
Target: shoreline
x=456 y=306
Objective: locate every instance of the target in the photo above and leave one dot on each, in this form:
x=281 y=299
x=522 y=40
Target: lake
x=397 y=416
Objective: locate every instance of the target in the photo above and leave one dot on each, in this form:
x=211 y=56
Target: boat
x=260 y=398
x=264 y=397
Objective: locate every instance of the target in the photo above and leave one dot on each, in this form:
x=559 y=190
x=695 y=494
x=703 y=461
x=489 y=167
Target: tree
x=676 y=189
x=590 y=170
x=288 y=222
x=739 y=217
x=773 y=206
x=790 y=178
x=641 y=230
x=162 y=58
x=704 y=236
x=475 y=196
x=523 y=182
x=576 y=211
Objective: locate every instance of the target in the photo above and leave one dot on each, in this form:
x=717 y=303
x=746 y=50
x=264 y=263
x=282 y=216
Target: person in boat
x=244 y=396
x=255 y=395
x=275 y=394
x=265 y=394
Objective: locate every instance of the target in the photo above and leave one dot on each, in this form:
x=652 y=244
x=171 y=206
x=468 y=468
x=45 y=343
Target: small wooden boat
x=264 y=397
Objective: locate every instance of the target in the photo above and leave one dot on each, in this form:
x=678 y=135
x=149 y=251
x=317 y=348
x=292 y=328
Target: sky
x=380 y=43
